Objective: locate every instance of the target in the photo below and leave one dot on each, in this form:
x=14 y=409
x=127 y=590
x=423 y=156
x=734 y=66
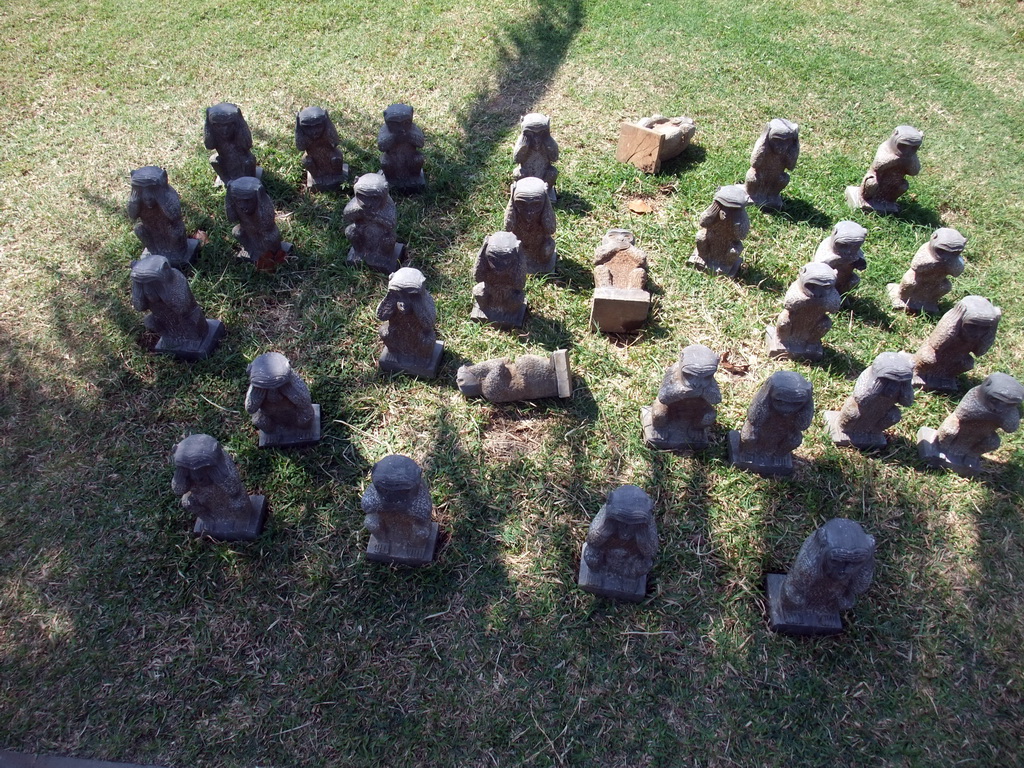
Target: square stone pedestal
x=640 y=147
x=617 y=310
x=399 y=253
x=233 y=530
x=697 y=439
x=855 y=199
x=198 y=351
x=844 y=440
x=806 y=623
x=425 y=369
x=399 y=553
x=929 y=451
x=611 y=585
x=499 y=319
x=770 y=466
x=295 y=437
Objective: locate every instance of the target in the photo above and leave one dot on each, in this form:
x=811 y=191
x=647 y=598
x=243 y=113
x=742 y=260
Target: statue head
x=733 y=196
x=469 y=380
x=629 y=509
x=1003 y=390
x=201 y=457
x=845 y=550
x=781 y=133
x=149 y=186
x=396 y=478
x=817 y=279
x=501 y=248
x=789 y=392
x=848 y=238
x=398 y=117
x=152 y=273
x=618 y=239
x=244 y=195
x=530 y=195
x=371 y=189
x=270 y=370
x=311 y=124
x=947 y=243
x=224 y=122
x=406 y=286
x=978 y=318
x=906 y=139
x=697 y=366
x=892 y=375
x=536 y=124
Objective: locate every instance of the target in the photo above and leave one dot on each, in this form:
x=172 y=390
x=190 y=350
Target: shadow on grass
x=692 y=156
x=801 y=212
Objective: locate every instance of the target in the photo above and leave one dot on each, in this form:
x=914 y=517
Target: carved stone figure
x=530 y=377
x=621 y=301
x=804 y=319
x=972 y=428
x=874 y=405
x=372 y=219
x=684 y=411
x=927 y=280
x=251 y=210
x=654 y=140
x=536 y=152
x=835 y=565
x=531 y=218
x=317 y=138
x=499 y=296
x=620 y=547
x=398 y=511
x=722 y=228
x=775 y=152
x=280 y=404
x=780 y=412
x=842 y=250
x=227 y=132
x=885 y=180
x=400 y=141
x=969 y=327
x=211 y=488
x=156 y=208
x=174 y=315
x=409 y=315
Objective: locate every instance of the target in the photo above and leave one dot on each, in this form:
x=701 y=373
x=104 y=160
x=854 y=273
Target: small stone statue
x=969 y=327
x=398 y=510
x=885 y=180
x=531 y=218
x=280 y=404
x=251 y=210
x=621 y=301
x=210 y=487
x=684 y=411
x=499 y=296
x=780 y=412
x=410 y=340
x=157 y=208
x=775 y=152
x=530 y=377
x=227 y=132
x=927 y=280
x=843 y=251
x=804 y=319
x=372 y=219
x=400 y=141
x=654 y=140
x=620 y=547
x=836 y=564
x=874 y=405
x=722 y=228
x=317 y=138
x=175 y=316
x=536 y=152
x=972 y=428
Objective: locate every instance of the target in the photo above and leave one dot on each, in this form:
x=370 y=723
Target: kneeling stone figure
x=620 y=547
x=398 y=513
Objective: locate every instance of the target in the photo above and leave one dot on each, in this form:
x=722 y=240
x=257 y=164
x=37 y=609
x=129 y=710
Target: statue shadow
x=867 y=310
x=913 y=212
x=801 y=212
x=546 y=332
x=572 y=204
x=753 y=275
x=838 y=362
x=690 y=157
x=572 y=275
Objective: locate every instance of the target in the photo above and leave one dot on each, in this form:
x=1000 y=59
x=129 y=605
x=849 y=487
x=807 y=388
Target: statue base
x=534 y=267
x=191 y=249
x=855 y=199
x=610 y=584
x=233 y=530
x=767 y=466
x=398 y=553
x=929 y=451
x=378 y=265
x=640 y=147
x=411 y=186
x=293 y=437
x=327 y=183
x=425 y=369
x=261 y=262
x=931 y=383
x=715 y=268
x=563 y=379
x=681 y=440
x=803 y=623
x=498 y=319
x=619 y=310
x=219 y=182
x=893 y=289
x=766 y=202
x=812 y=353
x=199 y=350
x=861 y=440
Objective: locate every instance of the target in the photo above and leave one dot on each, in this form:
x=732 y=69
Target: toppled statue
x=775 y=152
x=280 y=404
x=843 y=251
x=530 y=377
x=372 y=219
x=722 y=228
x=684 y=412
x=654 y=140
x=972 y=428
x=211 y=488
x=226 y=131
x=536 y=152
x=874 y=405
x=251 y=210
x=835 y=565
x=155 y=206
x=804 y=319
x=885 y=180
x=409 y=315
x=927 y=280
x=398 y=511
x=174 y=315
x=499 y=296
x=400 y=141
x=620 y=547
x=621 y=301
x=969 y=327
x=778 y=415
x=317 y=138
x=531 y=218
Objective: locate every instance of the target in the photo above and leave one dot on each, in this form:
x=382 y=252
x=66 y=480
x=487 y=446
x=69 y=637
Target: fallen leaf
x=201 y=236
x=738 y=368
x=270 y=260
x=639 y=206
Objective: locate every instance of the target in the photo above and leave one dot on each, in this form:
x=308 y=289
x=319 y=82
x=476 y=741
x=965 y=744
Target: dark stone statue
x=684 y=411
x=398 y=511
x=227 y=132
x=780 y=412
x=531 y=218
x=317 y=138
x=156 y=209
x=499 y=296
x=804 y=319
x=722 y=228
x=410 y=340
x=251 y=210
x=400 y=141
x=620 y=547
x=530 y=377
x=874 y=405
x=969 y=327
x=280 y=404
x=927 y=280
x=536 y=153
x=885 y=180
x=843 y=251
x=621 y=301
x=372 y=219
x=775 y=152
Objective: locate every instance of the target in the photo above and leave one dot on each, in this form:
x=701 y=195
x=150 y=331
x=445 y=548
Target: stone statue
x=174 y=314
x=722 y=228
x=317 y=138
x=969 y=327
x=280 y=404
x=251 y=210
x=804 y=319
x=620 y=547
x=410 y=340
x=621 y=301
x=398 y=510
x=499 y=296
x=536 y=152
x=972 y=428
x=531 y=218
x=211 y=488
x=227 y=132
x=843 y=251
x=372 y=219
x=775 y=152
x=874 y=405
x=684 y=411
x=400 y=141
x=654 y=140
x=927 y=280
x=530 y=377
x=836 y=564
x=156 y=208
x=885 y=180
x=780 y=412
